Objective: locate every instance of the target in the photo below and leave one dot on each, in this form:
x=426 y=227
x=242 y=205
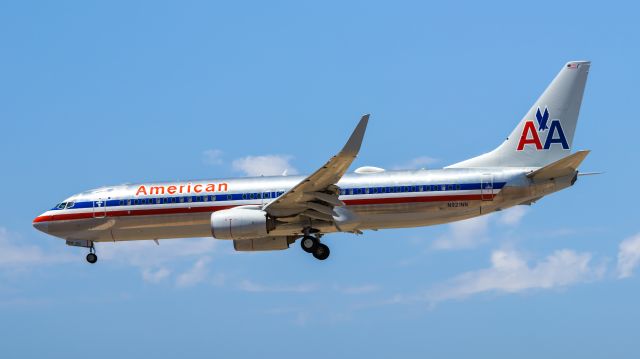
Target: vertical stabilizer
x=545 y=134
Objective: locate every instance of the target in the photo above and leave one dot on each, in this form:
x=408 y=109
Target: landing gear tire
x=321 y=252
x=92 y=258
x=309 y=244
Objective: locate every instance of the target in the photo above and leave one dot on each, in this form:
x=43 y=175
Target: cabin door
x=486 y=187
x=100 y=208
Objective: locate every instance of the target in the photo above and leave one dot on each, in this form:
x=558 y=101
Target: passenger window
x=189 y=199
x=458 y=187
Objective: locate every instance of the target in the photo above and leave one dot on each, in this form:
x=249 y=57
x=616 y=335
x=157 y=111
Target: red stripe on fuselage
x=398 y=200
x=182 y=210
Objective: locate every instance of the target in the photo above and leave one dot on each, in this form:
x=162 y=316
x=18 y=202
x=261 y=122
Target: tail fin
x=545 y=134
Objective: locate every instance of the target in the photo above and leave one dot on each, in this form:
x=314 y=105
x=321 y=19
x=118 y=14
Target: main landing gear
x=311 y=244
x=92 y=257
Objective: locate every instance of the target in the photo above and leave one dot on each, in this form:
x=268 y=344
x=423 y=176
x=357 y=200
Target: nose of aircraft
x=40 y=224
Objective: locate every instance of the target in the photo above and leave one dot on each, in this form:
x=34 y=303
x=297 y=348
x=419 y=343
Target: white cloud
x=155 y=276
x=301 y=317
x=212 y=157
x=360 y=289
x=472 y=232
x=510 y=273
x=268 y=165
x=146 y=254
x=195 y=275
x=249 y=286
x=418 y=162
x=156 y=261
x=628 y=256
x=464 y=234
x=13 y=255
x=512 y=216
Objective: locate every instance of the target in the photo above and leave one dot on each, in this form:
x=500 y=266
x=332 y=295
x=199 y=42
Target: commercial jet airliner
x=271 y=213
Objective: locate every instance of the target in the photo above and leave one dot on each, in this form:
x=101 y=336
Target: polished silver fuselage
x=389 y=199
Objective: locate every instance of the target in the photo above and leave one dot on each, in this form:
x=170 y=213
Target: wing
x=315 y=196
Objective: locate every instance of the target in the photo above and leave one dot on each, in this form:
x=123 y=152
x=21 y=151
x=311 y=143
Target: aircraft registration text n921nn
x=272 y=212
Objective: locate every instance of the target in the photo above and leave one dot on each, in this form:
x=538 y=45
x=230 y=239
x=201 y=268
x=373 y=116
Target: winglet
x=352 y=147
x=563 y=167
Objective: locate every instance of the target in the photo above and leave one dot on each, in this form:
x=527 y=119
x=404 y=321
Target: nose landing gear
x=92 y=257
x=85 y=243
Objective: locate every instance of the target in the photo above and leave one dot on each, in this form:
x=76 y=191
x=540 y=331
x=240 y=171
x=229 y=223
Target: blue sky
x=98 y=93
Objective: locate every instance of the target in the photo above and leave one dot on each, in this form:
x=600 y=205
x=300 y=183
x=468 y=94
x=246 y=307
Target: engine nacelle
x=240 y=223
x=263 y=244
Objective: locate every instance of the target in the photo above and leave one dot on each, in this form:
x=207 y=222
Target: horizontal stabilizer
x=563 y=167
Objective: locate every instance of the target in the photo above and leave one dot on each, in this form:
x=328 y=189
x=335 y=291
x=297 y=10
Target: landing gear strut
x=311 y=244
x=92 y=257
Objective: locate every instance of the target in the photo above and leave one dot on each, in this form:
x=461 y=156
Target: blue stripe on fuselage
x=347 y=191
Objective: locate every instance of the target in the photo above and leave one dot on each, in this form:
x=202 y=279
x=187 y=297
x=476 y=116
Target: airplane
x=272 y=212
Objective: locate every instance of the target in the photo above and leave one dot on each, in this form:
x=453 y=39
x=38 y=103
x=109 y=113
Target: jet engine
x=240 y=223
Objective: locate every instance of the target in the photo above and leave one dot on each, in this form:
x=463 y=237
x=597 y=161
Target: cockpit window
x=61 y=205
x=70 y=204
